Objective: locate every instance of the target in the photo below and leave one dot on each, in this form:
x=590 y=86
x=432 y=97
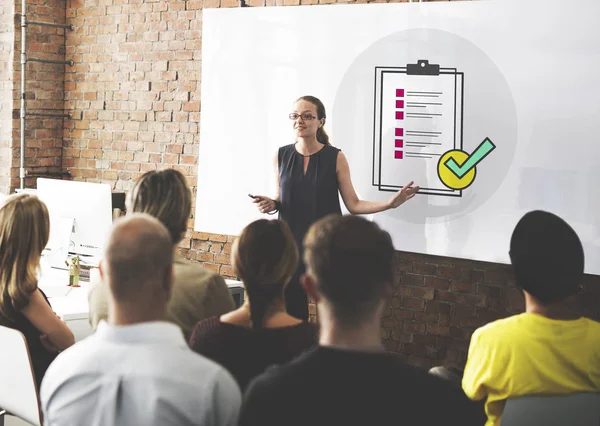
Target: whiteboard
x=491 y=106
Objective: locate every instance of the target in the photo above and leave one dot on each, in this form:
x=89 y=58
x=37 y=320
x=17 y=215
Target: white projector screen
x=492 y=107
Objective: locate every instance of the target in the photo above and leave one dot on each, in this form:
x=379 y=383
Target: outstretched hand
x=406 y=193
x=264 y=204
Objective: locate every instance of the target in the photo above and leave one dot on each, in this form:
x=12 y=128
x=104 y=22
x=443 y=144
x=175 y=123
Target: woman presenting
x=309 y=174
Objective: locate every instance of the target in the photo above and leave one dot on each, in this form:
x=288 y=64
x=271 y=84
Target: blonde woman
x=24 y=232
x=260 y=333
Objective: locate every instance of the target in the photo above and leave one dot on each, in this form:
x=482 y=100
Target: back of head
x=265 y=257
x=165 y=195
x=24 y=232
x=547 y=257
x=351 y=260
x=138 y=260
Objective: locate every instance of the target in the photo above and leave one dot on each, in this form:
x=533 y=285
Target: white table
x=71 y=304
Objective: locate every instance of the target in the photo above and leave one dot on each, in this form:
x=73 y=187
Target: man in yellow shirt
x=547 y=349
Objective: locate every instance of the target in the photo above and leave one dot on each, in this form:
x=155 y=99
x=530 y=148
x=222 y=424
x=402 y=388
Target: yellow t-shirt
x=530 y=354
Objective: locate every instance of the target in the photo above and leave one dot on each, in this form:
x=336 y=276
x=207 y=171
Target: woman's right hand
x=264 y=204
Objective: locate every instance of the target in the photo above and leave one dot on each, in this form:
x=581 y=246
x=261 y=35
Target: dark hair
x=264 y=257
x=322 y=136
x=165 y=195
x=351 y=260
x=547 y=257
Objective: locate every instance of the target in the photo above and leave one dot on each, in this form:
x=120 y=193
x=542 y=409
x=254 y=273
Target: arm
x=358 y=206
x=226 y=399
x=266 y=204
x=477 y=369
x=41 y=315
x=259 y=406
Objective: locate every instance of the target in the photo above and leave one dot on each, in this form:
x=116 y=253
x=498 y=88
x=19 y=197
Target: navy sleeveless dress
x=305 y=198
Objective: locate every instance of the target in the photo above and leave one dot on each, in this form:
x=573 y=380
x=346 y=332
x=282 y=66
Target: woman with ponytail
x=310 y=175
x=260 y=333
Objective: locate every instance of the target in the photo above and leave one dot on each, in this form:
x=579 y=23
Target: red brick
x=227 y=271
x=398 y=336
x=404 y=267
x=411 y=280
x=463 y=299
x=423 y=293
x=438 y=330
x=414 y=327
x=439 y=283
x=413 y=304
x=222 y=259
x=492 y=292
x=464 y=311
x=204 y=257
x=433 y=306
x=461 y=286
x=402 y=313
x=425 y=317
x=424 y=269
x=449 y=272
x=412 y=349
x=216 y=247
x=212 y=267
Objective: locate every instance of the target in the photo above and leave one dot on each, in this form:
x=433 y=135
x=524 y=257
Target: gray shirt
x=141 y=374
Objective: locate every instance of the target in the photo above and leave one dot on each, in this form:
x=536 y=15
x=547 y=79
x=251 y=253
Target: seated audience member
x=24 y=232
x=349 y=379
x=197 y=292
x=137 y=369
x=260 y=333
x=547 y=349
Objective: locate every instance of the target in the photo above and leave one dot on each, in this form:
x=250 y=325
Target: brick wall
x=7 y=39
x=134 y=93
x=44 y=91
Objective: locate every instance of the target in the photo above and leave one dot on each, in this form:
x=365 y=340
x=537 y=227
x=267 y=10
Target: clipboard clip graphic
x=418 y=116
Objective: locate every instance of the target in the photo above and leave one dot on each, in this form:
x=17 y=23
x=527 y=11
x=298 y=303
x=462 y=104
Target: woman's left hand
x=405 y=194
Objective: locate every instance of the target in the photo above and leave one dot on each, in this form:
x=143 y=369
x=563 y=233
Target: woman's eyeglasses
x=307 y=116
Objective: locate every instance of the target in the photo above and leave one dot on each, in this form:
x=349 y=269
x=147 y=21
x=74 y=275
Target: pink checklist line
x=399 y=143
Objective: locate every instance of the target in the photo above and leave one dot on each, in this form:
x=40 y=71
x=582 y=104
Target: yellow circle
x=448 y=177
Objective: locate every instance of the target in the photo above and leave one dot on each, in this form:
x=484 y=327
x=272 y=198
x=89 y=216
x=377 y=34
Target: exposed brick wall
x=7 y=39
x=44 y=91
x=441 y=301
x=134 y=92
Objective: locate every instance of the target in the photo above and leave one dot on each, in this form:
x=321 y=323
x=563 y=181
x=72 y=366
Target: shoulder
x=285 y=151
x=205 y=329
x=78 y=359
x=309 y=332
x=286 y=375
x=193 y=274
x=498 y=329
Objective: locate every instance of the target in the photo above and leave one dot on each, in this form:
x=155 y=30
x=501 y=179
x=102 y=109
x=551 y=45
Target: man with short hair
x=137 y=369
x=547 y=349
x=349 y=379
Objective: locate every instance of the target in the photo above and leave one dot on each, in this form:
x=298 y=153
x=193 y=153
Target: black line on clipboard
x=381 y=125
x=462 y=103
x=374 y=126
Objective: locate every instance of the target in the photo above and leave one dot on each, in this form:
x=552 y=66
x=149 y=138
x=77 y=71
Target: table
x=71 y=304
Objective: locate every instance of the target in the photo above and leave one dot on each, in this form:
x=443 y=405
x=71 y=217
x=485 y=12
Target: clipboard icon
x=418 y=117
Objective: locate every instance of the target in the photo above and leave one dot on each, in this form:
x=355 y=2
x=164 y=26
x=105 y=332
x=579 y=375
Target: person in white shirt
x=137 y=368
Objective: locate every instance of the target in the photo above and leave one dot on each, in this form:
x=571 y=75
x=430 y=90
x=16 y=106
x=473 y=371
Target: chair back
x=18 y=393
x=580 y=409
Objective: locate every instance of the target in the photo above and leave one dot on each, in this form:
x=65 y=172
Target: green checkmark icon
x=475 y=158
